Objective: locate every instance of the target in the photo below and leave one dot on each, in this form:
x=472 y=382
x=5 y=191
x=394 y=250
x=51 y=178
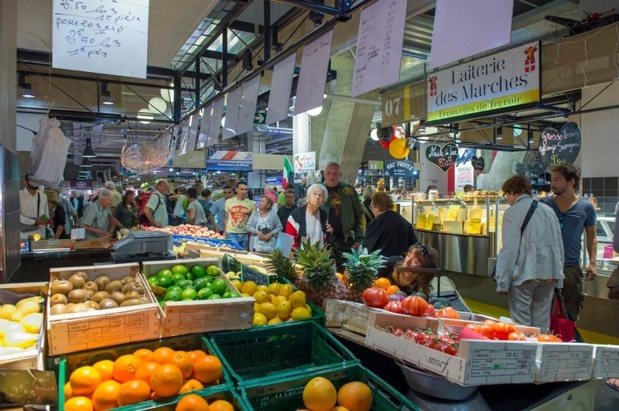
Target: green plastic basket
x=69 y=363
x=209 y=394
x=287 y=350
x=287 y=393
x=318 y=316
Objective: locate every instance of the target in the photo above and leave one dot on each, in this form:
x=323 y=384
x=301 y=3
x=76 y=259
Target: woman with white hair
x=310 y=221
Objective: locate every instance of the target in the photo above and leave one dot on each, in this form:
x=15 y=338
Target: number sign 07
x=392 y=106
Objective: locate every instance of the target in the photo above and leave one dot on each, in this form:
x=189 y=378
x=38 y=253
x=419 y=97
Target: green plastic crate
x=209 y=394
x=287 y=350
x=287 y=393
x=318 y=316
x=69 y=363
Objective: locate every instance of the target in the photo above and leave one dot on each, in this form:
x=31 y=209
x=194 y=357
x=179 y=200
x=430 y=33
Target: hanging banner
x=464 y=173
x=313 y=77
x=443 y=157
x=304 y=162
x=279 y=96
x=559 y=147
x=247 y=110
x=230 y=161
x=213 y=130
x=495 y=84
x=404 y=169
x=100 y=36
x=205 y=124
x=233 y=102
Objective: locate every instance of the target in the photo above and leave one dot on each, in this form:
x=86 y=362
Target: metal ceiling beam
x=247 y=27
x=311 y=6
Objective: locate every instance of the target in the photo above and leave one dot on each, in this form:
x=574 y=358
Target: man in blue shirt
x=575 y=215
x=218 y=210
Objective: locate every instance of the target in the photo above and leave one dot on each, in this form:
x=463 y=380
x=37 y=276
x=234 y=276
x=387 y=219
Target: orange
x=144 y=354
x=84 y=381
x=355 y=396
x=68 y=393
x=106 y=396
x=132 y=392
x=392 y=289
x=167 y=380
x=220 y=405
x=184 y=363
x=192 y=402
x=382 y=283
x=125 y=367
x=319 y=394
x=196 y=354
x=145 y=371
x=191 y=385
x=207 y=369
x=105 y=368
x=162 y=355
x=340 y=408
x=78 y=404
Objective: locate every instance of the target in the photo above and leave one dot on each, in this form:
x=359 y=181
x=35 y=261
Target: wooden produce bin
x=200 y=316
x=348 y=315
x=31 y=358
x=606 y=362
x=69 y=333
x=564 y=362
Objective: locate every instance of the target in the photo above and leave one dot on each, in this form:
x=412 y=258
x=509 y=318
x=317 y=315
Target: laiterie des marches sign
x=499 y=83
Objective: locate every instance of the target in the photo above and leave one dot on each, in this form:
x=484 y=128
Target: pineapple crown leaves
x=282 y=265
x=318 y=266
x=361 y=259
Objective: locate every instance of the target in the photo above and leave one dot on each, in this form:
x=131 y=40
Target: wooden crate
x=69 y=333
x=192 y=317
x=30 y=359
x=54 y=243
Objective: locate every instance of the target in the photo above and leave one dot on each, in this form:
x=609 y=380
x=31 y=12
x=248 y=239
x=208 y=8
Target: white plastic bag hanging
x=49 y=154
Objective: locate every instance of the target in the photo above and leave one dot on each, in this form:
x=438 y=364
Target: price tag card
x=475 y=228
x=429 y=222
x=250 y=274
x=452 y=213
x=28 y=387
x=421 y=222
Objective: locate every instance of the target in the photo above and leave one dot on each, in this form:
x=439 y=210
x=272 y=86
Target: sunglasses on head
x=423 y=247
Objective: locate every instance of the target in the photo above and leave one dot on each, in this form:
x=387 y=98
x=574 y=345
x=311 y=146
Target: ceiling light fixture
x=88 y=151
x=86 y=162
x=499 y=133
x=106 y=94
x=26 y=86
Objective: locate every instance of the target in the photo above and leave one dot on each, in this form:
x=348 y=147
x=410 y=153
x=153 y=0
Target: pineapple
x=362 y=268
x=282 y=265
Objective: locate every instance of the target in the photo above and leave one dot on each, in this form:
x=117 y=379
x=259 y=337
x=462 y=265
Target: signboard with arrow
x=260 y=117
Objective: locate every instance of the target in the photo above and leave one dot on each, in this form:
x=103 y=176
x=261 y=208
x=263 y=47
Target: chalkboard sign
x=28 y=387
x=314 y=67
x=379 y=46
x=478 y=164
x=249 y=274
x=101 y=36
x=444 y=157
x=559 y=147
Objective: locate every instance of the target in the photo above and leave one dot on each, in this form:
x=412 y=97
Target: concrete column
x=502 y=168
x=348 y=123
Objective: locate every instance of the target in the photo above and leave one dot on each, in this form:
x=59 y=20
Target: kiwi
x=92 y=304
x=77 y=280
x=114 y=286
x=92 y=286
x=102 y=281
x=133 y=294
x=58 y=299
x=131 y=287
x=82 y=274
x=78 y=296
x=69 y=308
x=58 y=309
x=81 y=307
x=61 y=287
x=100 y=295
x=133 y=301
x=128 y=279
x=107 y=303
x=118 y=297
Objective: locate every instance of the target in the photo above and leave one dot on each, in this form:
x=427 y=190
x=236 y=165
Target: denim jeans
x=240 y=239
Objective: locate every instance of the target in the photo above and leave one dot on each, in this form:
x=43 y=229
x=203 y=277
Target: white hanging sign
x=281 y=84
x=233 y=101
x=213 y=130
x=204 y=126
x=247 y=109
x=313 y=77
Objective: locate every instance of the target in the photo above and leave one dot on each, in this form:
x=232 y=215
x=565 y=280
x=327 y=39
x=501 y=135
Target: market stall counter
x=35 y=265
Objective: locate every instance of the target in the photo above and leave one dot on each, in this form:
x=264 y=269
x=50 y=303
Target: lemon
x=256 y=307
x=308 y=308
x=261 y=297
x=297 y=299
x=269 y=310
x=249 y=287
x=285 y=290
x=245 y=295
x=36 y=237
x=300 y=313
x=32 y=323
x=274 y=288
x=278 y=300
x=259 y=319
x=6 y=311
x=264 y=288
x=237 y=284
x=284 y=309
x=274 y=320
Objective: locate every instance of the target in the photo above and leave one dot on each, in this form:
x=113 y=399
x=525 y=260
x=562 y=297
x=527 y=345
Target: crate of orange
x=289 y=349
x=351 y=386
x=318 y=316
x=140 y=373
x=217 y=399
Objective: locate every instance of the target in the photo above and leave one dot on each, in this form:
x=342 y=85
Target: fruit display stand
x=286 y=392
x=290 y=349
x=68 y=333
x=318 y=316
x=200 y=316
x=348 y=316
x=210 y=395
x=69 y=363
x=32 y=357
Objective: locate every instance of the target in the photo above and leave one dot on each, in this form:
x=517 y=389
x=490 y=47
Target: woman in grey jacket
x=530 y=265
x=264 y=225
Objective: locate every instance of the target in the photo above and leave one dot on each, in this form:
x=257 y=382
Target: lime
x=152 y=280
x=179 y=269
x=201 y=283
x=174 y=296
x=218 y=286
x=204 y=293
x=189 y=293
x=190 y=276
x=235 y=294
x=187 y=299
x=163 y=282
x=226 y=294
x=198 y=271
x=178 y=277
x=184 y=283
x=174 y=288
x=164 y=273
x=214 y=297
x=212 y=271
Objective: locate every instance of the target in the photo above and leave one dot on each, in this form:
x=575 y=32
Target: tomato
x=413 y=305
x=448 y=312
x=487 y=331
x=548 y=338
x=422 y=338
x=398 y=332
x=490 y=322
x=516 y=336
x=503 y=329
x=410 y=334
x=474 y=327
x=447 y=348
x=394 y=307
x=431 y=312
x=375 y=297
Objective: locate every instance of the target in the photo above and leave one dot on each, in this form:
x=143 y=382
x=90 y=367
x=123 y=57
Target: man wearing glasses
x=575 y=216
